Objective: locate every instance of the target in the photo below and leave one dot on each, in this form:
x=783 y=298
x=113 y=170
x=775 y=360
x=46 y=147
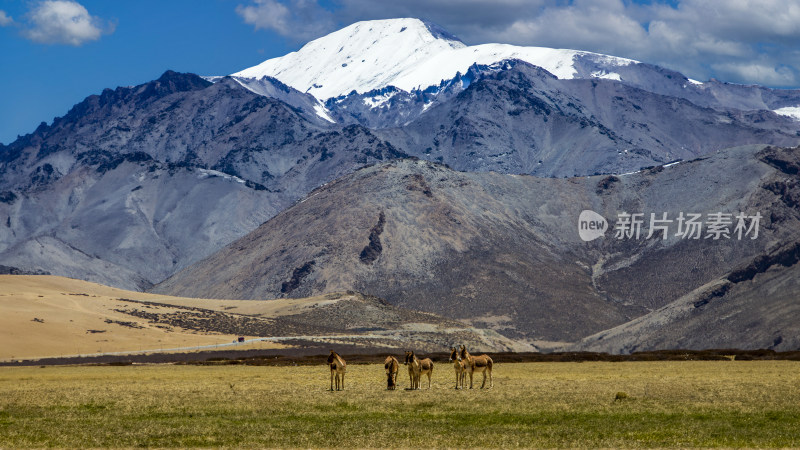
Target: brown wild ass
x=459 y=366
x=338 y=367
x=392 y=366
x=417 y=368
x=480 y=363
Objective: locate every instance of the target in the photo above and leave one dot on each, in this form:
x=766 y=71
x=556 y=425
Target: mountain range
x=392 y=159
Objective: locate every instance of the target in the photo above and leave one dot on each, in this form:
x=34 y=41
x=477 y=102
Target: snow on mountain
x=789 y=111
x=406 y=53
x=445 y=65
x=362 y=56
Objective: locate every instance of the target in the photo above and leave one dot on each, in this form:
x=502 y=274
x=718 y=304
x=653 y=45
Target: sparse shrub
x=620 y=396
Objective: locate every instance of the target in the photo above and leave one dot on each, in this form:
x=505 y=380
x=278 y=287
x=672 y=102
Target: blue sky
x=55 y=53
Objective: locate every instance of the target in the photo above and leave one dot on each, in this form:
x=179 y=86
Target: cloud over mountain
x=299 y=20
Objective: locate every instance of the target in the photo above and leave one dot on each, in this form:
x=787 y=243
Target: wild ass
x=392 y=366
x=338 y=367
x=480 y=363
x=417 y=368
x=459 y=367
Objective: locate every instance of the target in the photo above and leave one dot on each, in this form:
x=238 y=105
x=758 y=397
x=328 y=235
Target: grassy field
x=673 y=404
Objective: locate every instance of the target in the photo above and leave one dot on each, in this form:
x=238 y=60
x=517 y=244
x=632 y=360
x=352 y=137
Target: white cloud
x=64 y=22
x=603 y=25
x=760 y=73
x=299 y=20
x=747 y=20
x=5 y=19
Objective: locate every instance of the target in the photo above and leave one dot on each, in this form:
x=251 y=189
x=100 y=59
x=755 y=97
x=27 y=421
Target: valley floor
x=665 y=404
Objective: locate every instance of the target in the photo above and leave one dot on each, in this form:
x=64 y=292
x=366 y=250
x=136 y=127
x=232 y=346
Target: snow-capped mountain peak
x=405 y=53
x=363 y=56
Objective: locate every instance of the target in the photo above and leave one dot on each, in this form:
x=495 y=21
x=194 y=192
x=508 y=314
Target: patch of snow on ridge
x=207 y=173
x=320 y=110
x=789 y=111
x=606 y=75
x=378 y=100
x=408 y=54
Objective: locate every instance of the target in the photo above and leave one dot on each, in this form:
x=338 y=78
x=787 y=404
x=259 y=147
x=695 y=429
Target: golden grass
x=48 y=316
x=668 y=404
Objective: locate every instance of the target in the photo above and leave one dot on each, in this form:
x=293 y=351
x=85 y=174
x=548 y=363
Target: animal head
x=332 y=356
x=454 y=354
x=464 y=353
x=409 y=357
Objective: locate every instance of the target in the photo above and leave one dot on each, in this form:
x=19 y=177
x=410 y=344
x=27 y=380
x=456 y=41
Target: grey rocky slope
x=754 y=307
x=524 y=120
x=503 y=250
x=136 y=183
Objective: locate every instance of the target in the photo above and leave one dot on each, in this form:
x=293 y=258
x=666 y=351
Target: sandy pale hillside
x=53 y=316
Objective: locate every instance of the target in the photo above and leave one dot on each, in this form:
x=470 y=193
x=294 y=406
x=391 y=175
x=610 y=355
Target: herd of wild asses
x=463 y=364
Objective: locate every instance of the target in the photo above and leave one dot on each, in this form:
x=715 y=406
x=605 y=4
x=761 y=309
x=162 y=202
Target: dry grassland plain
x=667 y=404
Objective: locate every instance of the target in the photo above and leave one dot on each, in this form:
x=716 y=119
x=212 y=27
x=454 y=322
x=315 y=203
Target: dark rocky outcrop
x=373 y=250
